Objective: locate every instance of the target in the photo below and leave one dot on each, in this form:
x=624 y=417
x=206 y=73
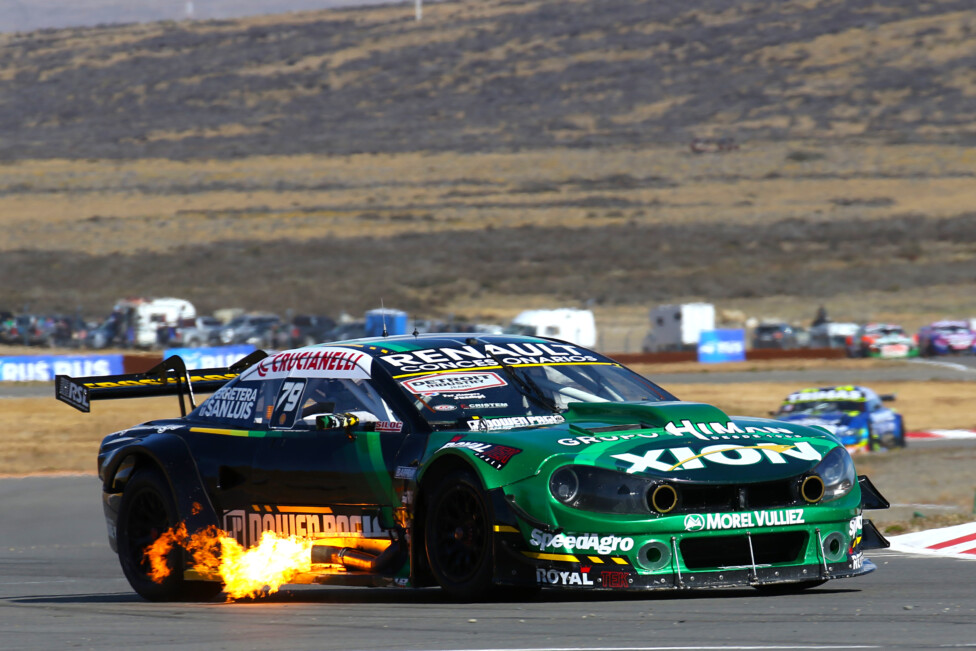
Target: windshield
x=497 y=382
x=815 y=407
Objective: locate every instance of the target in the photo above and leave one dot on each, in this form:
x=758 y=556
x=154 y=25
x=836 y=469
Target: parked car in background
x=308 y=329
x=856 y=415
x=946 y=337
x=829 y=334
x=348 y=330
x=779 y=335
x=246 y=328
x=881 y=340
x=196 y=332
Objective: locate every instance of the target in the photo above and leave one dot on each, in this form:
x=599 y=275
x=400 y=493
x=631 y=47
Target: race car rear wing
x=168 y=378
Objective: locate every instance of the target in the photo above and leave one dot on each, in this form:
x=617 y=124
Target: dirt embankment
x=497 y=156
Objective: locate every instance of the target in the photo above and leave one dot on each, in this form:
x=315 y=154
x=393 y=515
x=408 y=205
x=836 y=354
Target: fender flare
x=172 y=456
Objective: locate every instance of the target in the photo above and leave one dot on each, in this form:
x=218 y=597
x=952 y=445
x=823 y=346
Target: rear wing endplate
x=168 y=378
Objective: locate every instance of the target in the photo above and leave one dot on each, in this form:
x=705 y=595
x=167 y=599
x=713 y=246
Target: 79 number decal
x=286 y=405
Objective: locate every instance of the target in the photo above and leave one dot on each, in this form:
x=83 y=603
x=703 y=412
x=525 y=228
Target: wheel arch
x=170 y=456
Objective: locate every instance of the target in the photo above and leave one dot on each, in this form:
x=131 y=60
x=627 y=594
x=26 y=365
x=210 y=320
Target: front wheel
x=146 y=512
x=458 y=536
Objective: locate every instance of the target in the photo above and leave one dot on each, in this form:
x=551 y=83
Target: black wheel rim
x=147 y=522
x=460 y=534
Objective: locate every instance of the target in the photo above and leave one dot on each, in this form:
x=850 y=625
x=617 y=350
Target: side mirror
x=337 y=421
x=888 y=397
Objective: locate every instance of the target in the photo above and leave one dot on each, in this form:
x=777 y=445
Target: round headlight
x=564 y=485
x=838 y=475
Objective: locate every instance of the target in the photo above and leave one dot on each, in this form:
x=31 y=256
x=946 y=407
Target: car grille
x=695 y=498
x=733 y=551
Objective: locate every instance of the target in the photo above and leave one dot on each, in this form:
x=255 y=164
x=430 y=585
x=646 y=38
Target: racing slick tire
x=788 y=588
x=147 y=510
x=458 y=536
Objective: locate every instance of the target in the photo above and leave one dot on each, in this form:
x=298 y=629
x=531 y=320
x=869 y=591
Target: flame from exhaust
x=253 y=572
x=157 y=552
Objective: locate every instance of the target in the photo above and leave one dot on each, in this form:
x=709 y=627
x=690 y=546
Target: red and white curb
x=942 y=434
x=958 y=541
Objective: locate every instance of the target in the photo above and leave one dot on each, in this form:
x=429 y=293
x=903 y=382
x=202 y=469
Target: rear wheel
x=458 y=536
x=146 y=512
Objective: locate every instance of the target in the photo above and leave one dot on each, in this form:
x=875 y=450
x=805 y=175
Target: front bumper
x=727 y=550
x=679 y=562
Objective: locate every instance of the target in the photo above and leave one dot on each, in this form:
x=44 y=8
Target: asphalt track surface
x=61 y=587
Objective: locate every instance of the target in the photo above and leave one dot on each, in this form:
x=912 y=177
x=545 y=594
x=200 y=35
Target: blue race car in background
x=856 y=415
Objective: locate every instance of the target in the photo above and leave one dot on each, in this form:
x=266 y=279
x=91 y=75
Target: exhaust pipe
x=354 y=559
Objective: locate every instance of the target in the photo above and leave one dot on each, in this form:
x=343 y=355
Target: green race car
x=471 y=462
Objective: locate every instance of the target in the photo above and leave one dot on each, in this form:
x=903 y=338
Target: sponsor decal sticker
x=470 y=357
x=694 y=522
x=825 y=396
x=587 y=440
x=247 y=526
x=544 y=576
x=723 y=521
x=405 y=472
x=73 y=394
x=700 y=430
x=490 y=424
x=318 y=362
x=686 y=459
x=454 y=383
x=494 y=455
x=391 y=426
x=231 y=403
x=609 y=579
x=583 y=542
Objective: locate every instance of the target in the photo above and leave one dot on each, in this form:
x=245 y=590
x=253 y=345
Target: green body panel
x=585 y=439
x=736 y=450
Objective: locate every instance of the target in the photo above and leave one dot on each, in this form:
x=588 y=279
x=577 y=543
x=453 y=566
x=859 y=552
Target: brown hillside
x=498 y=155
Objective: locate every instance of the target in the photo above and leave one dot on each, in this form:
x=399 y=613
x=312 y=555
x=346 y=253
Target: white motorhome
x=149 y=320
x=678 y=327
x=569 y=324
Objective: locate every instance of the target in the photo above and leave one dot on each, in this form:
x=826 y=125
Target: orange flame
x=157 y=552
x=252 y=572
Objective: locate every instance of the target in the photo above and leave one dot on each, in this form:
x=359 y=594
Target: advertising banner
x=217 y=357
x=722 y=346
x=43 y=368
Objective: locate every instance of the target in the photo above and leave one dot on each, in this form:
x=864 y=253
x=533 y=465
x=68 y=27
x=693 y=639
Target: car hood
x=679 y=441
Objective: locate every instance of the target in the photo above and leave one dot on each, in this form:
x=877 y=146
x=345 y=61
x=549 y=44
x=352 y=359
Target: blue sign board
x=43 y=368
x=722 y=346
x=217 y=357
